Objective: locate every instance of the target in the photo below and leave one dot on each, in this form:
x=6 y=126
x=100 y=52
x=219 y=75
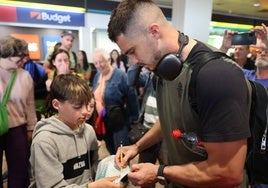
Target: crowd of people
x=65 y=77
x=55 y=107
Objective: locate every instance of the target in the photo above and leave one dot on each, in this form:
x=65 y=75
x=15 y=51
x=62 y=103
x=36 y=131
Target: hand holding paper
x=108 y=168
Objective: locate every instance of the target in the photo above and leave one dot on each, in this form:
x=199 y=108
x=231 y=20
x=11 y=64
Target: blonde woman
x=114 y=98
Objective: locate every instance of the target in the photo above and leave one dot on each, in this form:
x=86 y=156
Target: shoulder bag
x=3 y=109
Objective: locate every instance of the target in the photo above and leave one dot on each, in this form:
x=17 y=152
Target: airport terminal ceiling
x=240 y=11
x=242 y=8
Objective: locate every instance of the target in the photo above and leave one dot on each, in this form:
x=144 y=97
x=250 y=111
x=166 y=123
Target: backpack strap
x=264 y=136
x=9 y=87
x=142 y=110
x=262 y=93
x=75 y=60
x=196 y=65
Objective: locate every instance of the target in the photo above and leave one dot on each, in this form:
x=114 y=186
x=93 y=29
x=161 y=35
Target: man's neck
x=107 y=73
x=241 y=62
x=187 y=49
x=62 y=47
x=262 y=73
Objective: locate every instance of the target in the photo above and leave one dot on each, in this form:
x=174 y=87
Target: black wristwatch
x=160 y=175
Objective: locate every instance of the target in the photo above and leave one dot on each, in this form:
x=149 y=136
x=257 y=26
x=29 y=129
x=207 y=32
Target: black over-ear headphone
x=170 y=65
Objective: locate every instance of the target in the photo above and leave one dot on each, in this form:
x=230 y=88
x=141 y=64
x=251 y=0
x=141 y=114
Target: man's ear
x=55 y=104
x=154 y=30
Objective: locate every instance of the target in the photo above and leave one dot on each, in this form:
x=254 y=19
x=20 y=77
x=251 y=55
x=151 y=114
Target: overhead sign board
x=40 y=16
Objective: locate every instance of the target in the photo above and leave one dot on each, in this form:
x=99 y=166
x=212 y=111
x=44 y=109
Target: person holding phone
x=241 y=44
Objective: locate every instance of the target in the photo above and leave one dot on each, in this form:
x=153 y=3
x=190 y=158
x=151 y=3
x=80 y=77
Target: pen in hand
x=121 y=156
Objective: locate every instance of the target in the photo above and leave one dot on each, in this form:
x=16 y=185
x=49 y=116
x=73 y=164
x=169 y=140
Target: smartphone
x=244 y=39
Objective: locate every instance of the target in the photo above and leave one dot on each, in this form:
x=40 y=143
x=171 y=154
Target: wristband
x=160 y=175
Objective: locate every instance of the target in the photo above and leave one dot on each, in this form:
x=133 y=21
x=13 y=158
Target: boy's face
x=73 y=115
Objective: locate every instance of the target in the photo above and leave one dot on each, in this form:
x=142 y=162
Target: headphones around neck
x=169 y=67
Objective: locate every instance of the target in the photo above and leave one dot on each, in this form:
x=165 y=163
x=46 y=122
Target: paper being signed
x=108 y=168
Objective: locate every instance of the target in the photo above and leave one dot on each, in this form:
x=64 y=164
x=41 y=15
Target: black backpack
x=40 y=89
x=257 y=156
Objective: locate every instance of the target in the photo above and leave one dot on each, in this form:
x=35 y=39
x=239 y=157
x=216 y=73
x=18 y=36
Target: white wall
x=192 y=17
x=95 y=35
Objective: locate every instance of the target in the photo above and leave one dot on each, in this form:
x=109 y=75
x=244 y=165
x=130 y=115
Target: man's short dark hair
x=121 y=17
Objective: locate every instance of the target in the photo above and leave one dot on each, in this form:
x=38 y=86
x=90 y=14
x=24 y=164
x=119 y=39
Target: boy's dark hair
x=69 y=87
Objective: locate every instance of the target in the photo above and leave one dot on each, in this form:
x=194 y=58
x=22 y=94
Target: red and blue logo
x=35 y=15
x=49 y=17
